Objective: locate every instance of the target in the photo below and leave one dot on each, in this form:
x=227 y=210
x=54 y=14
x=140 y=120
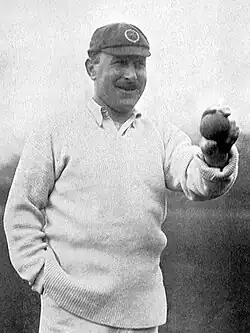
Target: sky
x=200 y=57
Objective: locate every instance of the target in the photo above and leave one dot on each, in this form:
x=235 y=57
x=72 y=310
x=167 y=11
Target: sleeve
x=186 y=170
x=24 y=219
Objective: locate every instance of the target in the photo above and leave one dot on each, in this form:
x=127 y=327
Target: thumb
x=208 y=147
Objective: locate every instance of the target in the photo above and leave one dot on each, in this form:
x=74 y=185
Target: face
x=119 y=81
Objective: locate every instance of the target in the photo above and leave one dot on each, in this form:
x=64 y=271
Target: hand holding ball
x=215 y=125
x=218 y=135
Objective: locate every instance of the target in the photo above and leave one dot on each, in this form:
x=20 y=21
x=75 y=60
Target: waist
x=115 y=299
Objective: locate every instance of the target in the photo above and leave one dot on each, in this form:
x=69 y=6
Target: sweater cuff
x=212 y=173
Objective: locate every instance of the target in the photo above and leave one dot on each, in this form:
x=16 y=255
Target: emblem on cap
x=132 y=35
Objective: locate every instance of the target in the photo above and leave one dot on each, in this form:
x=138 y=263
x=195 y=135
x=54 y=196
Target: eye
x=121 y=62
x=124 y=62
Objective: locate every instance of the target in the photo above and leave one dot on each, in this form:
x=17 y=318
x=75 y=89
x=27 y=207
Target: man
x=84 y=214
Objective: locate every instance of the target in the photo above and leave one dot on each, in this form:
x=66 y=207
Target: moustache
x=128 y=85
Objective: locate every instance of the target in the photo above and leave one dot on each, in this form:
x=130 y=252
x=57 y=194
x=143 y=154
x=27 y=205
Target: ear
x=90 y=67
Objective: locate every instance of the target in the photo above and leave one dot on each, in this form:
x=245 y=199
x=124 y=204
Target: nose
x=130 y=72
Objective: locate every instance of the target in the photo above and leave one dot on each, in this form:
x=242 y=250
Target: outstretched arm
x=196 y=172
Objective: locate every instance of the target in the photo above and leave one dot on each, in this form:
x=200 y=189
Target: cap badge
x=132 y=35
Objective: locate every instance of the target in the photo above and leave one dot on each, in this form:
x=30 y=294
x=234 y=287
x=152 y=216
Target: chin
x=125 y=107
x=127 y=104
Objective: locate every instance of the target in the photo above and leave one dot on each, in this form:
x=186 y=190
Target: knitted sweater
x=84 y=213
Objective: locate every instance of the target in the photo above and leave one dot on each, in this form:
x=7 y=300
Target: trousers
x=54 y=319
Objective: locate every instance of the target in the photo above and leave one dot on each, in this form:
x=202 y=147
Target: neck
x=115 y=115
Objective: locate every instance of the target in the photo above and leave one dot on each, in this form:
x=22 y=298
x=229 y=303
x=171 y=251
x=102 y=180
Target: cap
x=119 y=39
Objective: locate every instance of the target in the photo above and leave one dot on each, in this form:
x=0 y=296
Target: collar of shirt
x=100 y=111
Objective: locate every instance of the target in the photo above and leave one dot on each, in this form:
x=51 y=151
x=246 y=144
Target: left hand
x=216 y=153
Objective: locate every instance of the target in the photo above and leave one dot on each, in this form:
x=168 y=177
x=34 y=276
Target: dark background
x=205 y=265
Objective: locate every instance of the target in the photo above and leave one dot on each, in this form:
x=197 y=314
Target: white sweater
x=94 y=198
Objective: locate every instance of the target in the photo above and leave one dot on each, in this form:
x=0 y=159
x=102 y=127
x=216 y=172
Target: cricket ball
x=215 y=125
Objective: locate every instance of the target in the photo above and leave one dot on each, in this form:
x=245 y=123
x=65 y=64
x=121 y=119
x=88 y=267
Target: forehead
x=111 y=57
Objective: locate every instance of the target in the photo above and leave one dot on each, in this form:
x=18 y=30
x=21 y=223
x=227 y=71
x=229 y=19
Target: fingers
x=233 y=133
x=224 y=110
x=212 y=154
x=208 y=147
x=234 y=127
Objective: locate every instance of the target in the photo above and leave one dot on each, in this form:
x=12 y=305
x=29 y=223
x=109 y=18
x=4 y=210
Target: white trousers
x=54 y=319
